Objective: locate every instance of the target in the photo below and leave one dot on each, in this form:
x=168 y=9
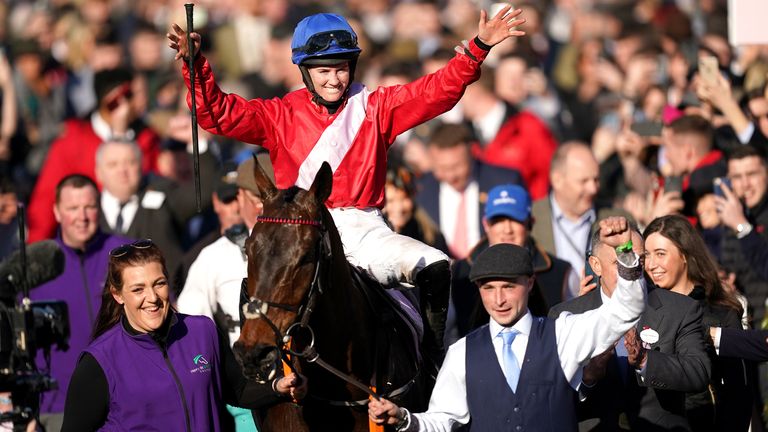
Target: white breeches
x=371 y=244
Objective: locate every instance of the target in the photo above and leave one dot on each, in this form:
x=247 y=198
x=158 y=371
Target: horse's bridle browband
x=288 y=221
x=254 y=308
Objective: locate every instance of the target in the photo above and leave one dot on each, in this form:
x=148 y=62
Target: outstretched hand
x=178 y=40
x=500 y=27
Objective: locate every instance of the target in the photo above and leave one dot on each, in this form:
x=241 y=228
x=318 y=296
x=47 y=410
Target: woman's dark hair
x=702 y=269
x=401 y=177
x=111 y=311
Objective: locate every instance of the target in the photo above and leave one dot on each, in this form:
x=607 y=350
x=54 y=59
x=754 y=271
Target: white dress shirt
x=571 y=237
x=110 y=206
x=215 y=278
x=489 y=125
x=579 y=337
x=449 y=203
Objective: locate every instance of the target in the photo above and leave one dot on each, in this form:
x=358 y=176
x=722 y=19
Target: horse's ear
x=264 y=182
x=321 y=187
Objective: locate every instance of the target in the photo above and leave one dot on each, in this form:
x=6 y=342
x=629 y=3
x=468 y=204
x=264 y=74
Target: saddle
x=400 y=329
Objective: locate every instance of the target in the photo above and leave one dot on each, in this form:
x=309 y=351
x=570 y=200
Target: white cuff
x=746 y=135
x=716 y=339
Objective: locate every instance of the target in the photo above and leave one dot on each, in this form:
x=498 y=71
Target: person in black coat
x=678 y=261
x=749 y=345
x=743 y=211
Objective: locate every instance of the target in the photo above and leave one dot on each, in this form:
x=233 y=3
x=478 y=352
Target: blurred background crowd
x=642 y=107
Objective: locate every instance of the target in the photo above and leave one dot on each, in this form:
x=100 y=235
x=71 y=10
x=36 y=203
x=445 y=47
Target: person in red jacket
x=74 y=151
x=341 y=122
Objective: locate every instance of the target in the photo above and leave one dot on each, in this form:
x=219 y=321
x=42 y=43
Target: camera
x=27 y=327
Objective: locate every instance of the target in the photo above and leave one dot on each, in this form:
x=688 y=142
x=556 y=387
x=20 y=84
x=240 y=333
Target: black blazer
x=677 y=363
x=157 y=224
x=487 y=176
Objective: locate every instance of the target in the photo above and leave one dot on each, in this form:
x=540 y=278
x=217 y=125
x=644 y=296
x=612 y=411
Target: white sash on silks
x=337 y=138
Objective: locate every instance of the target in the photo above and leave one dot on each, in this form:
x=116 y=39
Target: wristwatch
x=743 y=229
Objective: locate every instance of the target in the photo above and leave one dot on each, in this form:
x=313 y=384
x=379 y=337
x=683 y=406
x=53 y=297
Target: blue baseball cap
x=509 y=200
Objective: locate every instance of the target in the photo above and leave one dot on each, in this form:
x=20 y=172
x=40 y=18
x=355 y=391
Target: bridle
x=255 y=308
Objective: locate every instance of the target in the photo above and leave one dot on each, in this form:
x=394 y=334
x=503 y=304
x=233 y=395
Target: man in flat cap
x=521 y=372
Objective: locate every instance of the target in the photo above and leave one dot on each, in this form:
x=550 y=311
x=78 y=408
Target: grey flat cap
x=502 y=261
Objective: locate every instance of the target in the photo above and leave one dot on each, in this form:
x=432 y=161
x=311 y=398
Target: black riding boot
x=434 y=282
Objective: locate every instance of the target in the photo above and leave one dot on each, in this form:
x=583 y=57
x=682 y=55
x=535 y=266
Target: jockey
x=341 y=122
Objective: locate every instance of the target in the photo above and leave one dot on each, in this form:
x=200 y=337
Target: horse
x=301 y=287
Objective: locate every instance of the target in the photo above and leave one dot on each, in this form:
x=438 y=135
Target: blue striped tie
x=511 y=366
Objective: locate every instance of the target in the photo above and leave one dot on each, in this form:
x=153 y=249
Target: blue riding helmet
x=322 y=37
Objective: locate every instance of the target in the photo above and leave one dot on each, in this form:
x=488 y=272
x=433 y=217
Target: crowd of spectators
x=603 y=108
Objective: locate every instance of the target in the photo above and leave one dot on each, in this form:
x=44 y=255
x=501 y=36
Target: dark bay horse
x=299 y=278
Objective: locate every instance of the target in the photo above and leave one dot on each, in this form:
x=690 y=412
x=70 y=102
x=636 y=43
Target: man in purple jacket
x=86 y=250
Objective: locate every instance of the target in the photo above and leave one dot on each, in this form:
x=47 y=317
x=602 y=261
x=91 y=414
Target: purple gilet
x=156 y=389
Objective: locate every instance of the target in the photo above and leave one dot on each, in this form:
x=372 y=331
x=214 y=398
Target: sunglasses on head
x=321 y=41
x=124 y=249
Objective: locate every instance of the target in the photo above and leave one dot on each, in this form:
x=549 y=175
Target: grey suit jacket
x=677 y=363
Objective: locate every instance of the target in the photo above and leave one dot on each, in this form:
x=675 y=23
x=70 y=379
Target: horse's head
x=284 y=253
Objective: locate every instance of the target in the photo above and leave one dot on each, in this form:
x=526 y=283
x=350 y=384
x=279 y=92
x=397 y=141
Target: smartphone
x=673 y=184
x=589 y=272
x=717 y=185
x=709 y=69
x=647 y=128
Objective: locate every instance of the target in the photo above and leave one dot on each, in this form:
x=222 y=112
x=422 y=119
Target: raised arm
x=218 y=112
x=583 y=336
x=406 y=106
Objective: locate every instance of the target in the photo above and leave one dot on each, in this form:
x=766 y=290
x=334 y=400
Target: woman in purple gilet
x=150 y=368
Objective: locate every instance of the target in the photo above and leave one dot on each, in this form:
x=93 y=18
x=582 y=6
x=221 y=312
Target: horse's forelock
x=290 y=194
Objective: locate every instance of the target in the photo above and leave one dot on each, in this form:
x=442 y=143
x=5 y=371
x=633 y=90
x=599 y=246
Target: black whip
x=191 y=64
x=23 y=249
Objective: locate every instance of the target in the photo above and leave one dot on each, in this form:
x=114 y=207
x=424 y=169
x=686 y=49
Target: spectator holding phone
x=750 y=127
x=74 y=152
x=743 y=211
x=693 y=162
